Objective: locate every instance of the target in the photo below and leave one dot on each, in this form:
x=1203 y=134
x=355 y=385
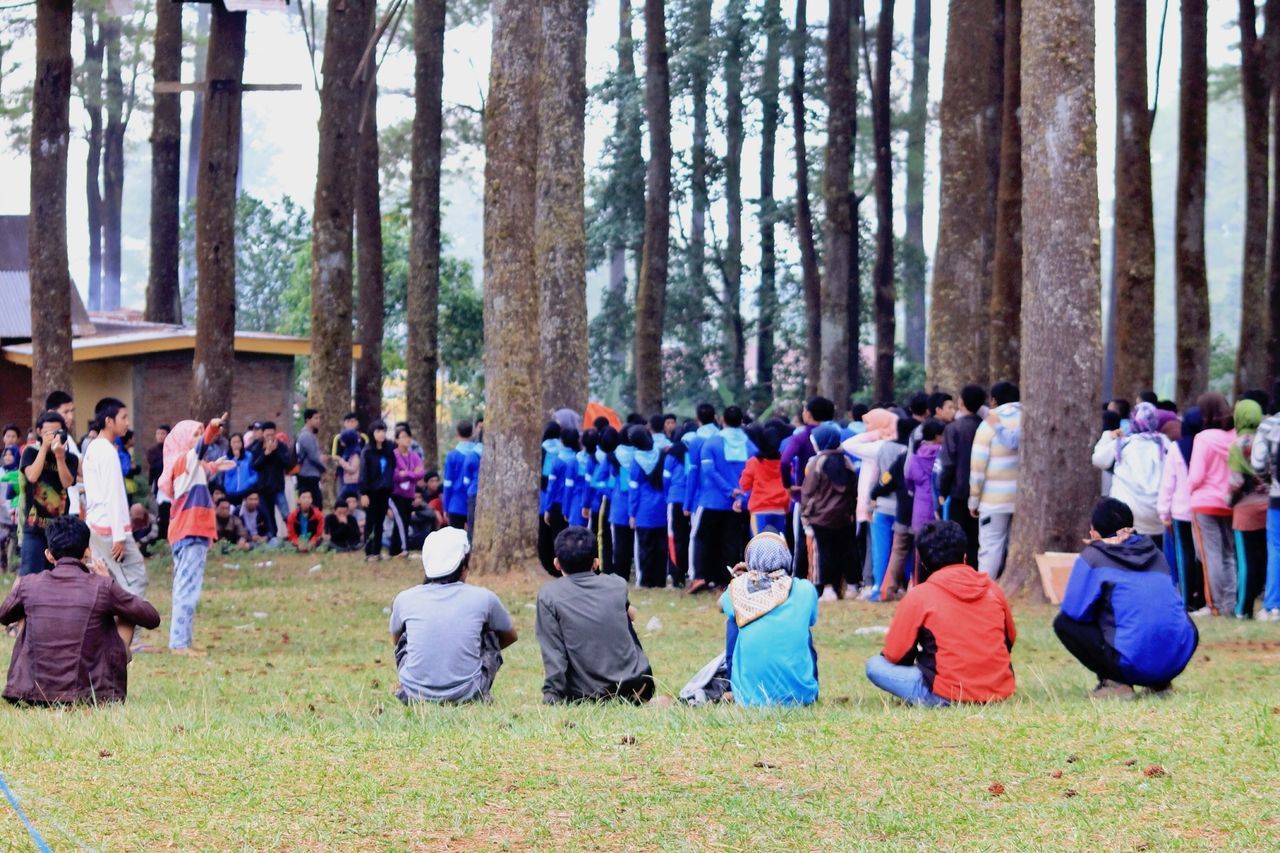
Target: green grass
x=287 y=735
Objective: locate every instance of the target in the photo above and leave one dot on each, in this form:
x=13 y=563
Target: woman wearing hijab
x=768 y=633
x=828 y=501
x=1209 y=479
x=648 y=509
x=1136 y=462
x=1248 y=510
x=350 y=450
x=882 y=427
x=1174 y=506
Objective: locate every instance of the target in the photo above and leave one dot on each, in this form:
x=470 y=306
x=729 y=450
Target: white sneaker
x=1203 y=611
x=1272 y=615
x=829 y=594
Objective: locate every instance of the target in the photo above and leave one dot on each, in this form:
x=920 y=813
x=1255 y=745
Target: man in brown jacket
x=70 y=648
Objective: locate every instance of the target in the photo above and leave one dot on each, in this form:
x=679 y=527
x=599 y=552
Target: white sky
x=281 y=145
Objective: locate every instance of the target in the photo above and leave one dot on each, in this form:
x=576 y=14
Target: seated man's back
x=69 y=649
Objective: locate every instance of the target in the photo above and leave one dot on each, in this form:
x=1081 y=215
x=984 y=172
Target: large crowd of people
x=910 y=503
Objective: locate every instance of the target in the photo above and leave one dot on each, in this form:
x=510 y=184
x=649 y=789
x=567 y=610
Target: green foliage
x=1222 y=365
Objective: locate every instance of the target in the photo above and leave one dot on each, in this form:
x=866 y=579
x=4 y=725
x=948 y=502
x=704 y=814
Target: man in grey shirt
x=448 y=634
x=589 y=649
x=311 y=462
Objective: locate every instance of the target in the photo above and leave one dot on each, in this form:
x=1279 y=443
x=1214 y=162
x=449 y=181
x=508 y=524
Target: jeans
x=881 y=548
x=1271 y=598
x=1218 y=553
x=33 y=547
x=993 y=542
x=272 y=501
x=188 y=581
x=905 y=682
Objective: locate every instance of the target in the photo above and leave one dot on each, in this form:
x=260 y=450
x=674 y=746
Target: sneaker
x=829 y=594
x=866 y=594
x=1203 y=611
x=1108 y=689
x=1161 y=692
x=1272 y=615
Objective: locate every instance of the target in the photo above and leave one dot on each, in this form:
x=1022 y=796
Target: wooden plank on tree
x=170 y=87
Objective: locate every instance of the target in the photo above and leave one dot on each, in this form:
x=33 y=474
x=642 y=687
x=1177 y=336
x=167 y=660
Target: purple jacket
x=919 y=477
x=796 y=453
x=408 y=472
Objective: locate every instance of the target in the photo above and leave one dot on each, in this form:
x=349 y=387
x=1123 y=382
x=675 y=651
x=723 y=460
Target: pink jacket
x=1174 y=500
x=1208 y=478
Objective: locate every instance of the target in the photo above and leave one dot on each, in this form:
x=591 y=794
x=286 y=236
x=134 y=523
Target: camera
x=61 y=435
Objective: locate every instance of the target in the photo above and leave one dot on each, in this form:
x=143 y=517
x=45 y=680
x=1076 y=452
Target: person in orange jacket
x=305 y=524
x=760 y=484
x=952 y=635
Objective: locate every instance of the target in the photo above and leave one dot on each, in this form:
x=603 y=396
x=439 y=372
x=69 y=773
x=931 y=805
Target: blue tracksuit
x=601 y=481
x=693 y=479
x=720 y=465
x=578 y=495
x=550 y=455
x=455 y=492
x=674 y=478
x=619 y=495
x=1126 y=589
x=563 y=482
x=471 y=471
x=647 y=504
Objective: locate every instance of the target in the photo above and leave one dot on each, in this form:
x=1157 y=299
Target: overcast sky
x=281 y=142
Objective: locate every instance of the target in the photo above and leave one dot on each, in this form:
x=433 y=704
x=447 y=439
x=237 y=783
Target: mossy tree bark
x=1006 y=265
x=369 y=307
x=164 y=304
x=112 y=164
x=767 y=295
x=883 y=275
x=92 y=101
x=1192 y=281
x=809 y=272
x=915 y=262
x=1061 y=304
x=47 y=223
x=506 y=516
x=836 y=348
x=560 y=237
x=735 y=340
x=1251 y=360
x=1271 y=16
x=219 y=159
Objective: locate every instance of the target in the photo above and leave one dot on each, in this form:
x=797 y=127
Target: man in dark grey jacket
x=590 y=652
x=311 y=462
x=953 y=465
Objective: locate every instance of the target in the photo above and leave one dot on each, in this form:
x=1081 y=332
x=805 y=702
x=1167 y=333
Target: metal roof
x=13 y=243
x=15 y=307
x=157 y=339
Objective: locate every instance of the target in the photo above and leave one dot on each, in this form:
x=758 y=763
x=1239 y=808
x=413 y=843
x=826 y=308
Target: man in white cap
x=448 y=634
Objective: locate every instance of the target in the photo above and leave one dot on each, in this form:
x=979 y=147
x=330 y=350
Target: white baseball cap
x=444 y=551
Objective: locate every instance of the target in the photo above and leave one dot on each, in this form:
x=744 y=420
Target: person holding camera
x=50 y=471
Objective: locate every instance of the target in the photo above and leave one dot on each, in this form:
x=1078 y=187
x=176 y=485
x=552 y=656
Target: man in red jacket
x=952 y=634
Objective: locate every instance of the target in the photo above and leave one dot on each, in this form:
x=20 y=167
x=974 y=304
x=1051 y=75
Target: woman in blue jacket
x=242 y=479
x=551 y=447
x=675 y=475
x=624 y=550
x=648 y=509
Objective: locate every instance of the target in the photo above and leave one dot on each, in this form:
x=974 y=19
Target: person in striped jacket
x=993 y=476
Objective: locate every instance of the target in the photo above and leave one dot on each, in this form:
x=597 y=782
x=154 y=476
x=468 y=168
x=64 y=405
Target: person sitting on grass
x=341 y=531
x=951 y=636
x=254 y=519
x=305 y=524
x=448 y=634
x=79 y=621
x=590 y=652
x=231 y=531
x=768 y=634
x=1121 y=617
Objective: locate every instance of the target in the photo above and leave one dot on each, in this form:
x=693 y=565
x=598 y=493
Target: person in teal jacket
x=720 y=531
x=648 y=509
x=551 y=447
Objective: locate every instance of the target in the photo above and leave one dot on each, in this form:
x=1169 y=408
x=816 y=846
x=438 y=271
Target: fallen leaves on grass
x=765 y=765
x=1057 y=774
x=995 y=789
x=1072 y=759
x=1070 y=792
x=1155 y=770
x=284 y=638
x=627 y=740
x=1131 y=762
x=104 y=753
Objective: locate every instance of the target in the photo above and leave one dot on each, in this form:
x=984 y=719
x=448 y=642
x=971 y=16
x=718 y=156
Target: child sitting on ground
x=305 y=524
x=590 y=652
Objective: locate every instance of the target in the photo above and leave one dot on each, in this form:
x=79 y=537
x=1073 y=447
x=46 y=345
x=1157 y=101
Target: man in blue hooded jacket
x=454 y=483
x=1121 y=616
x=721 y=532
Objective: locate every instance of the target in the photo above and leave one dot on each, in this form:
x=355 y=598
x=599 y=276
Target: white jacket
x=1137 y=475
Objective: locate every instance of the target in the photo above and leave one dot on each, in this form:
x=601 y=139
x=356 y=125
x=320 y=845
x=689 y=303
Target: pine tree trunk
x=810 y=275
x=1061 y=310
x=560 y=238
x=1006 y=265
x=1251 y=360
x=47 y=223
x=629 y=131
x=1271 y=15
x=112 y=166
x=1135 y=241
x=1193 y=287
x=915 y=262
x=506 y=510
x=885 y=293
x=969 y=119
x=163 y=300
x=651 y=292
x=696 y=245
x=836 y=351
x=216 y=216
x=93 y=162
x=731 y=261
x=195 y=130
x=370 y=303
x=423 y=299
x=767 y=295
x=331 y=227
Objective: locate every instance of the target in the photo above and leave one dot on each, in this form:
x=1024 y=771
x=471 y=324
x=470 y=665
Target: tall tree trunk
x=1006 y=265
x=699 y=195
x=883 y=274
x=767 y=295
x=47 y=223
x=93 y=162
x=651 y=291
x=629 y=180
x=1061 y=310
x=1193 y=287
x=969 y=119
x=1135 y=240
x=423 y=298
x=1251 y=359
x=195 y=130
x=371 y=297
x=836 y=348
x=731 y=260
x=112 y=165
x=506 y=510
x=164 y=303
x=331 y=227
x=809 y=273
x=216 y=215
x=915 y=262
x=1271 y=15
x=560 y=237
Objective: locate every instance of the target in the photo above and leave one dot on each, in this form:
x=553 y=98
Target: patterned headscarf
x=1145 y=418
x=763 y=582
x=177 y=443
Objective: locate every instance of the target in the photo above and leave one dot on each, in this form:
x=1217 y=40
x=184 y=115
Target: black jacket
x=957 y=447
x=375 y=476
x=271 y=467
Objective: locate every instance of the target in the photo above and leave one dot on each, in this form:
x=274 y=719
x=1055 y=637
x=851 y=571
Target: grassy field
x=287 y=735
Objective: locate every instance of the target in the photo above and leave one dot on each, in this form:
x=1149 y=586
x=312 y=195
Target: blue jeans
x=905 y=682
x=1271 y=598
x=33 y=545
x=881 y=547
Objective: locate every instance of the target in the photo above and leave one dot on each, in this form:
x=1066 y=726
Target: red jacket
x=315 y=525
x=763 y=479
x=957 y=628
